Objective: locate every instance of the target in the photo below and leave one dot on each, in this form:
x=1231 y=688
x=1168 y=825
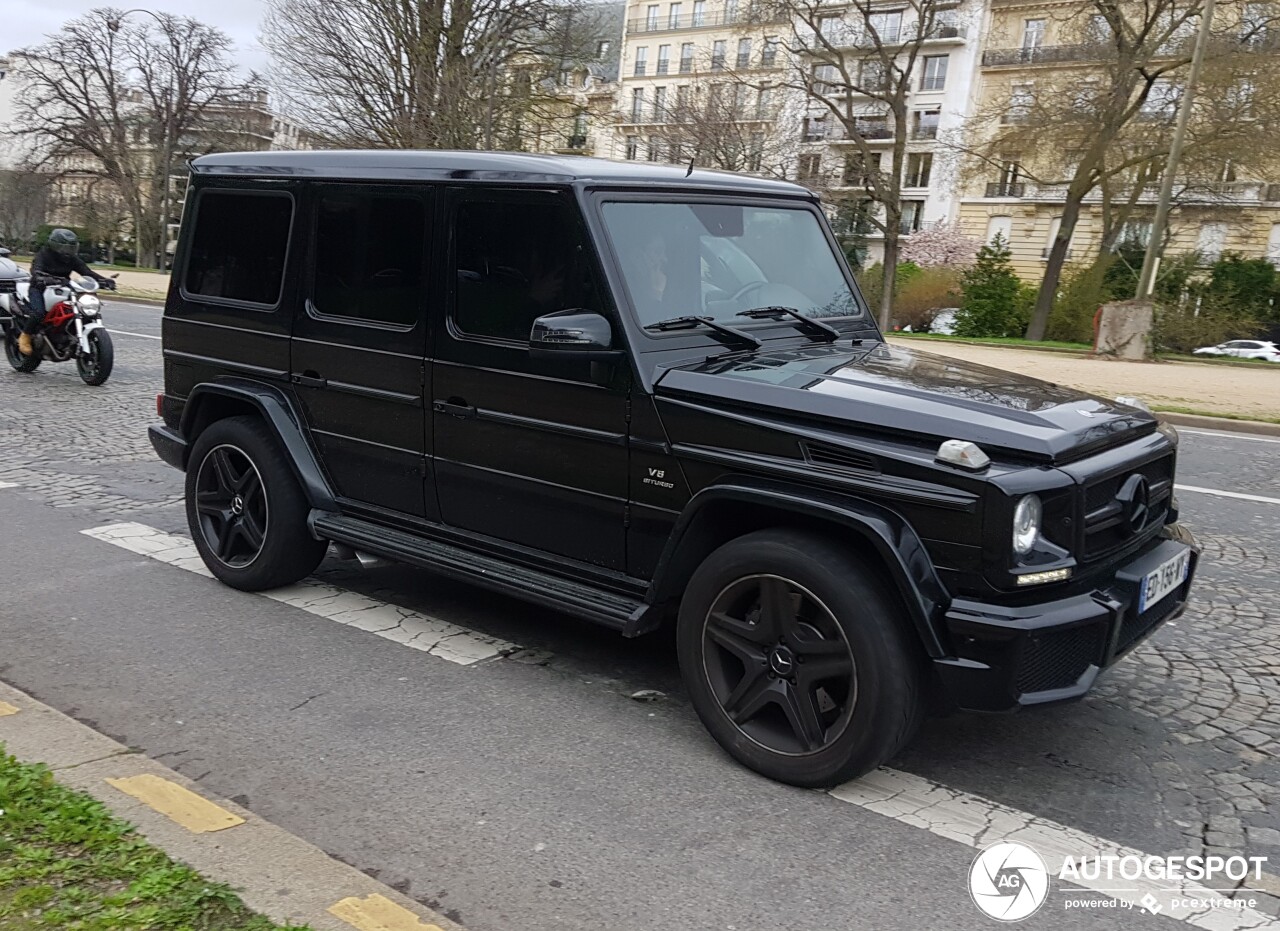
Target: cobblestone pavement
x=1177 y=750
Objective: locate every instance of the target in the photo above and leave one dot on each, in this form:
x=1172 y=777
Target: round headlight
x=90 y=306
x=1026 y=525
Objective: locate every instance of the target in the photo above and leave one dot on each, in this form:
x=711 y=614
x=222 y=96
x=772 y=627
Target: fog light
x=1039 y=578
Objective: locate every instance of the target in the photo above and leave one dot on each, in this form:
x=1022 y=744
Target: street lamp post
x=166 y=137
x=1146 y=279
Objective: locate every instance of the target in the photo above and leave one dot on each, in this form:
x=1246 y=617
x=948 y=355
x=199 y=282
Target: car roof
x=505 y=167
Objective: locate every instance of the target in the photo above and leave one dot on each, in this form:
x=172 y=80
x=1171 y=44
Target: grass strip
x=66 y=862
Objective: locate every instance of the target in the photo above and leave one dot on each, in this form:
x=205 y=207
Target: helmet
x=64 y=241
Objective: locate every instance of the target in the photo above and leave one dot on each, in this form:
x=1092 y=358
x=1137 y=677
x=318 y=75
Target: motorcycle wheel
x=95 y=366
x=19 y=362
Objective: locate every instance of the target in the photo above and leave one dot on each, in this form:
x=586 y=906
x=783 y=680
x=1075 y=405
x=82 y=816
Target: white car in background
x=1243 y=349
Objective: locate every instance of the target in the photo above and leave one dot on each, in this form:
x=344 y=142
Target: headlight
x=1026 y=525
x=1169 y=433
x=90 y=306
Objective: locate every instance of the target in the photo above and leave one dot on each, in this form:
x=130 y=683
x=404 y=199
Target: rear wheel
x=16 y=359
x=246 y=511
x=95 y=366
x=797 y=659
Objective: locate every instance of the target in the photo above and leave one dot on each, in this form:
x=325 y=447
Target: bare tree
x=858 y=64
x=1110 y=117
x=429 y=74
x=24 y=204
x=110 y=98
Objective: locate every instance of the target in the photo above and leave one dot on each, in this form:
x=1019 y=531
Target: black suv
x=637 y=394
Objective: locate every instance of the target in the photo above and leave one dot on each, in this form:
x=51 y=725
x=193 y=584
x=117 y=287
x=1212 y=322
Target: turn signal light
x=159 y=405
x=1039 y=578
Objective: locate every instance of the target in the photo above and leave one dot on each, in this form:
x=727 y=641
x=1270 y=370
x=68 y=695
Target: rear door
x=359 y=341
x=529 y=451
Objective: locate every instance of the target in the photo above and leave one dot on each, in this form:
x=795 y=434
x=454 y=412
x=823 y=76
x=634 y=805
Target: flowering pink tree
x=941 y=245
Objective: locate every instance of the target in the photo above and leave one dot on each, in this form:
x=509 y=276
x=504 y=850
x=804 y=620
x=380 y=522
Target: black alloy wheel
x=232 y=506
x=779 y=664
x=17 y=360
x=95 y=366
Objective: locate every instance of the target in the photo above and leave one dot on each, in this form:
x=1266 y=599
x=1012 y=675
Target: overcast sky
x=26 y=22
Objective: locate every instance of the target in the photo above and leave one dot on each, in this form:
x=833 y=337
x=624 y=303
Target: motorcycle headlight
x=1026 y=525
x=90 y=306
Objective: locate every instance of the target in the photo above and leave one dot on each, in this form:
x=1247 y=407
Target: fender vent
x=837 y=457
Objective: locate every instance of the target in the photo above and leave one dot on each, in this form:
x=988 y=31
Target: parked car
x=1243 y=349
x=643 y=395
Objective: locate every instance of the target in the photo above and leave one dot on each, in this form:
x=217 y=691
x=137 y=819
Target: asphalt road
x=532 y=792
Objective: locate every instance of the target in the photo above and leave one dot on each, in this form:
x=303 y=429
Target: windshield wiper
x=688 y=323
x=777 y=312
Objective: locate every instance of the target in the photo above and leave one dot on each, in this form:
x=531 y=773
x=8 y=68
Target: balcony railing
x=686 y=65
x=1045 y=54
x=1005 y=189
x=873 y=130
x=663 y=66
x=708 y=20
x=1272 y=193
x=852 y=37
x=924 y=133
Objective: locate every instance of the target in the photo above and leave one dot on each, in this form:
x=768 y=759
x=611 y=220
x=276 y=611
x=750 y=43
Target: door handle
x=462 y=411
x=310 y=379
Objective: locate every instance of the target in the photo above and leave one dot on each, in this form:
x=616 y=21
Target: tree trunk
x=111 y=252
x=890 y=264
x=1053 y=268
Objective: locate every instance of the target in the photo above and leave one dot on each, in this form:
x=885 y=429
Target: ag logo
x=1008 y=881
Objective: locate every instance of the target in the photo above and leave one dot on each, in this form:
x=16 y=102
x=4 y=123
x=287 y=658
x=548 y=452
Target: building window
x=717 y=55
x=633 y=145
x=653 y=147
x=860 y=171
x=699 y=12
x=810 y=167
x=873 y=127
x=1098 y=32
x=888 y=26
x=935 y=73
x=871 y=77
x=825 y=79
x=664 y=58
x=637 y=105
x=676 y=153
x=602 y=49
x=912 y=211
x=651 y=18
x=1022 y=97
x=659 y=104
x=642 y=59
x=351 y=276
x=926 y=124
x=1032 y=35
x=1273 y=245
x=1001 y=227
x=1255 y=22
x=682 y=100
x=1134 y=234
x=946 y=24
x=919 y=167
x=686 y=57
x=740 y=92
x=769 y=54
x=1162 y=100
x=764 y=104
x=730 y=11
x=1211 y=241
x=673 y=16
x=744 y=53
x=755 y=151
x=815 y=128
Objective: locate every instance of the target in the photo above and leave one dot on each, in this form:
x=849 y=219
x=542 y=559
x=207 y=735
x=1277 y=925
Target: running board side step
x=611 y=609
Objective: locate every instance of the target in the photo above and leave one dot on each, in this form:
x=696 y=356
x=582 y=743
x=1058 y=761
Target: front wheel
x=16 y=359
x=797 y=659
x=95 y=365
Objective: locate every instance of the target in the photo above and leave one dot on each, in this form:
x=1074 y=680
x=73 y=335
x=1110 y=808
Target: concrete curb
x=1225 y=424
x=275 y=873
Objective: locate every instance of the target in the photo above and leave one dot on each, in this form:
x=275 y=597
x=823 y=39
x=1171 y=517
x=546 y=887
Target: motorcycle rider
x=53 y=265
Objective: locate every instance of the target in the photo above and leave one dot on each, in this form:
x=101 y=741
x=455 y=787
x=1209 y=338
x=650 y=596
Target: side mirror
x=572 y=334
x=4 y=252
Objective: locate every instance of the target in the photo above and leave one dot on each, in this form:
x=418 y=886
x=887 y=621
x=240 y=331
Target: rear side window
x=239 y=246
x=369 y=256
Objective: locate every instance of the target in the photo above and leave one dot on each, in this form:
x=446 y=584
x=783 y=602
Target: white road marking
x=1229 y=436
x=978 y=822
x=399 y=625
x=1227 y=494
x=8 y=484
x=139 y=335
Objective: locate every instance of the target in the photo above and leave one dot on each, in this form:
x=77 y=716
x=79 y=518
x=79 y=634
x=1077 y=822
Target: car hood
x=904 y=391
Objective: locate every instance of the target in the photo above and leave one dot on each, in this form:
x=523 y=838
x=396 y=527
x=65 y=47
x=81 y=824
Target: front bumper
x=1010 y=657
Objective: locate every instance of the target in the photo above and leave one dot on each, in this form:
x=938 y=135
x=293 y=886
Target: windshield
x=718 y=261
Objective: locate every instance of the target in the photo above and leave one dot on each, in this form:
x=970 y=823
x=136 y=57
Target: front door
x=359 y=341
x=528 y=451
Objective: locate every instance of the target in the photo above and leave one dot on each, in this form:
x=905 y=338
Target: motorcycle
x=72 y=328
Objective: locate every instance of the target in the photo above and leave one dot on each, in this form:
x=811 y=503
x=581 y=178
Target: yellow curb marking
x=198 y=815
x=378 y=913
x=7 y=709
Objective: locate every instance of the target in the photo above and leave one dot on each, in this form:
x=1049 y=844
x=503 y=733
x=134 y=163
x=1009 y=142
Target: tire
x=798 y=660
x=96 y=369
x=245 y=509
x=16 y=359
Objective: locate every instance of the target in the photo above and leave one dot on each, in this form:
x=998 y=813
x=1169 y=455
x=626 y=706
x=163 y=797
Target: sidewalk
x=1244 y=391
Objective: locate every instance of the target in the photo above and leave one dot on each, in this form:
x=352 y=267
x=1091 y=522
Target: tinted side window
x=369 y=256
x=239 y=246
x=515 y=262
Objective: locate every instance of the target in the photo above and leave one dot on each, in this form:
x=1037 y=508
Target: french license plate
x=1164 y=579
